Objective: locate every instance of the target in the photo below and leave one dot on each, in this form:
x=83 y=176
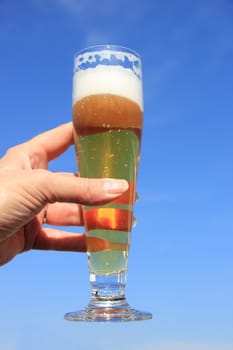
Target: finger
x=57 y=187
x=53 y=142
x=37 y=152
x=64 y=214
x=53 y=239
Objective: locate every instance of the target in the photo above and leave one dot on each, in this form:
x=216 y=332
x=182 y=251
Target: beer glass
x=107 y=120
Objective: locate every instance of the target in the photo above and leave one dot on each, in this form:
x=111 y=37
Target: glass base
x=110 y=311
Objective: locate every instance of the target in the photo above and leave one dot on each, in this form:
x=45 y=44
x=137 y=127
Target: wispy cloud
x=95 y=37
x=104 y=19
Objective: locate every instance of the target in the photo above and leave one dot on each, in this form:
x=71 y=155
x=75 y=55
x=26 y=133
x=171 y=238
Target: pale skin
x=29 y=194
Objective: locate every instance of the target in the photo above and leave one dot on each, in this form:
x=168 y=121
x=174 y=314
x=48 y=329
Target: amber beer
x=107 y=125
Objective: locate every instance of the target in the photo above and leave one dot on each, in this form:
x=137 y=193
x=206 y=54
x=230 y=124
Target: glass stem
x=107 y=287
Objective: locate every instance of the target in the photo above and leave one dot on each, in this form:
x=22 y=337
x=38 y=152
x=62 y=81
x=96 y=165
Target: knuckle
x=43 y=180
x=90 y=189
x=40 y=176
x=95 y=192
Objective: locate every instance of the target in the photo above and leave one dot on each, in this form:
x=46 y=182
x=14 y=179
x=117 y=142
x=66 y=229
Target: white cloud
x=90 y=16
x=96 y=37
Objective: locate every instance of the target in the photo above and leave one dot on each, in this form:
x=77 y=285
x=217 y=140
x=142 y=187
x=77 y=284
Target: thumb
x=66 y=187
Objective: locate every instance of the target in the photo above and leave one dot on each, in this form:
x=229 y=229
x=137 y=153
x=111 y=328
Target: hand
x=30 y=196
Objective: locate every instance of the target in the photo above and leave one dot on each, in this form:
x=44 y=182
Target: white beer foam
x=124 y=57
x=107 y=80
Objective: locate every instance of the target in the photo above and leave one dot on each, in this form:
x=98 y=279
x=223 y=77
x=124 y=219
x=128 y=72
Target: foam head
x=108 y=72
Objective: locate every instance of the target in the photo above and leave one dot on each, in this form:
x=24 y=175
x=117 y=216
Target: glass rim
x=107 y=47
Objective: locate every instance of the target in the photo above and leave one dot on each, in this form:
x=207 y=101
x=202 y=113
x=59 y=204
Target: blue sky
x=181 y=261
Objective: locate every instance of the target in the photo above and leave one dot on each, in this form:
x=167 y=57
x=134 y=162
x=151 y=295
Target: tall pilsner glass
x=107 y=119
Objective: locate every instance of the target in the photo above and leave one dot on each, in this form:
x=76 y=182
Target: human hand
x=30 y=196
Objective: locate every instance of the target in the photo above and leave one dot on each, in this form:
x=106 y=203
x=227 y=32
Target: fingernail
x=113 y=186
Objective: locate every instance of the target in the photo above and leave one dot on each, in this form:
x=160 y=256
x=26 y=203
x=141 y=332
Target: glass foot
x=110 y=311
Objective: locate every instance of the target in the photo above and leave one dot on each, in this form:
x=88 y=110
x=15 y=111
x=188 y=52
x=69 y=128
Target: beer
x=107 y=119
x=107 y=130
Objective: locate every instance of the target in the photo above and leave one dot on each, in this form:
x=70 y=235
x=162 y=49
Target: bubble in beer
x=111 y=156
